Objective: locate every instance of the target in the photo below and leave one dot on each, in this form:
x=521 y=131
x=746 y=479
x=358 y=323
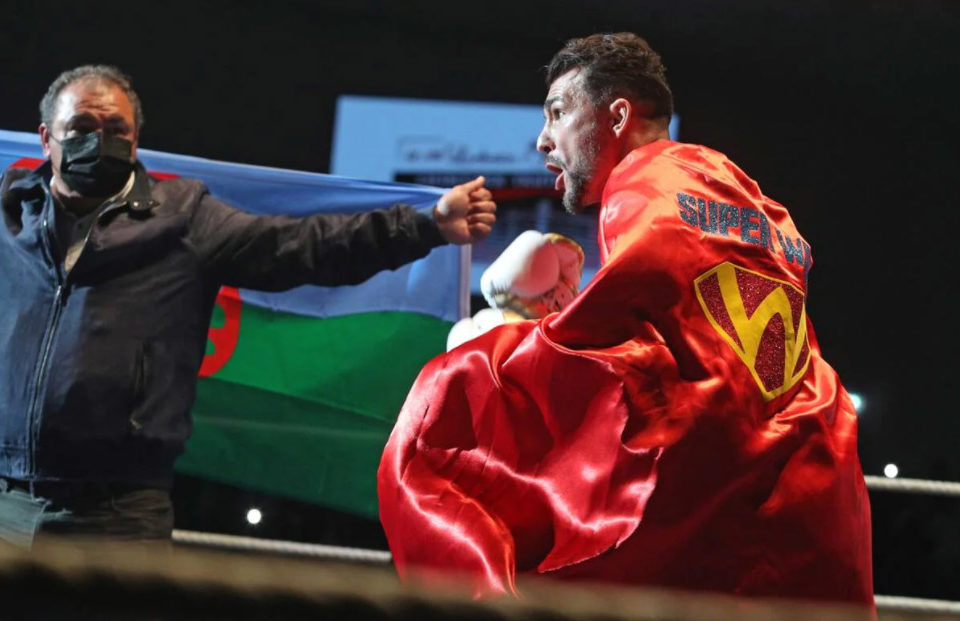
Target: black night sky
x=843 y=111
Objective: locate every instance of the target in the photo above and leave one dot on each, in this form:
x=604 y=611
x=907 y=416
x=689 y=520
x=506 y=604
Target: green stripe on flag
x=304 y=406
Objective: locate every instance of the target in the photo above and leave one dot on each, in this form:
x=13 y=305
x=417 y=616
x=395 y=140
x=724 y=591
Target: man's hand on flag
x=466 y=213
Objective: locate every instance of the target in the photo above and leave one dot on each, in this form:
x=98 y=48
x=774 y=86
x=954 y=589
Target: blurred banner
x=299 y=390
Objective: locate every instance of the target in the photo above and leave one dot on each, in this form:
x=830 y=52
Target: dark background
x=843 y=111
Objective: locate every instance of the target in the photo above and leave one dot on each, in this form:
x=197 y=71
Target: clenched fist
x=466 y=213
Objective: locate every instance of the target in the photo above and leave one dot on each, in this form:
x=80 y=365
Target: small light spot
x=858 y=402
x=891 y=471
x=254 y=516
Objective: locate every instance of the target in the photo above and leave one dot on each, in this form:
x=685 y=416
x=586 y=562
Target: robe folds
x=674 y=426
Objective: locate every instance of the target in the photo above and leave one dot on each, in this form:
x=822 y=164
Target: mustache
x=553 y=161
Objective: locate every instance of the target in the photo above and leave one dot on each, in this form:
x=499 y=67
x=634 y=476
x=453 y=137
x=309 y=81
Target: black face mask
x=94 y=164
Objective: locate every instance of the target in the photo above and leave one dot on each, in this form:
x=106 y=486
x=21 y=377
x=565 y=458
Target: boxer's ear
x=620 y=111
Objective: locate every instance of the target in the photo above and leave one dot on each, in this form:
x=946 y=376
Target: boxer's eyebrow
x=551 y=100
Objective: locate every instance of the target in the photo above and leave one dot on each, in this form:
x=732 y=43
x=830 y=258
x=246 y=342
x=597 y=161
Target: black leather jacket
x=98 y=367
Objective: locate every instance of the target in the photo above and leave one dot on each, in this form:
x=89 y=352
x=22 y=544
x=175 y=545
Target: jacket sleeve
x=273 y=253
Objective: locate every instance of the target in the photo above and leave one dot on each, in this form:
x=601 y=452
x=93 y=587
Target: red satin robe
x=674 y=426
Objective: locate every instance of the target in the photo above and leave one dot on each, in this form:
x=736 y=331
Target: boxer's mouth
x=558 y=185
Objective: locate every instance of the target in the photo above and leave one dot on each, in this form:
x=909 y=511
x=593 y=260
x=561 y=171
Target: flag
x=299 y=390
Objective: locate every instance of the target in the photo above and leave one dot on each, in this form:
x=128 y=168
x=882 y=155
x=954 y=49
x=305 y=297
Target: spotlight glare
x=891 y=471
x=858 y=402
x=254 y=516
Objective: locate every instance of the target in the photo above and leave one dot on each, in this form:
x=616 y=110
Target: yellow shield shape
x=763 y=319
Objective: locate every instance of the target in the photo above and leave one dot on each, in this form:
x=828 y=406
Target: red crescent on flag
x=225 y=337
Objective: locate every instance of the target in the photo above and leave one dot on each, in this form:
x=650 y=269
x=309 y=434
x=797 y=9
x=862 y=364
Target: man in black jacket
x=107 y=283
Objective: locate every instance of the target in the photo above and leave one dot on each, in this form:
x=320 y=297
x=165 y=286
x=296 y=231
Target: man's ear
x=44 y=138
x=620 y=111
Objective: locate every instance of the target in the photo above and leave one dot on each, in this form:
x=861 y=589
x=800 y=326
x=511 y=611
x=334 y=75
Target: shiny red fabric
x=674 y=426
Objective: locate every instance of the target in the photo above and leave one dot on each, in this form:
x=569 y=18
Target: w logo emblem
x=763 y=319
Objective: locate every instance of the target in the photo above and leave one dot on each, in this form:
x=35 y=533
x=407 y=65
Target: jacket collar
x=30 y=184
x=139 y=199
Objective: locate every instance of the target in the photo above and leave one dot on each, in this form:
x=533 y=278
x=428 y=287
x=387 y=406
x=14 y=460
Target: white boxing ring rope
x=913 y=486
x=895 y=603
x=276 y=546
x=889 y=603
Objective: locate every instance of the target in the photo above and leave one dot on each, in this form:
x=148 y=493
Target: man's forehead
x=566 y=86
x=90 y=94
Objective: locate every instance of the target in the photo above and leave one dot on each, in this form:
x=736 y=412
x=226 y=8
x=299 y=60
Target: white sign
x=379 y=138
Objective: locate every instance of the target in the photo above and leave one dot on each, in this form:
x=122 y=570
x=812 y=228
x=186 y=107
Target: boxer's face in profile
x=575 y=139
x=89 y=106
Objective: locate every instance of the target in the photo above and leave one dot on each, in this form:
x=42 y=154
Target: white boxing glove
x=535 y=275
x=472 y=327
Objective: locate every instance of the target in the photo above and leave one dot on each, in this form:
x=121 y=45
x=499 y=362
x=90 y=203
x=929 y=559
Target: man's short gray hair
x=106 y=73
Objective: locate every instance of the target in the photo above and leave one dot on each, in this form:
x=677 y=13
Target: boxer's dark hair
x=105 y=73
x=616 y=65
